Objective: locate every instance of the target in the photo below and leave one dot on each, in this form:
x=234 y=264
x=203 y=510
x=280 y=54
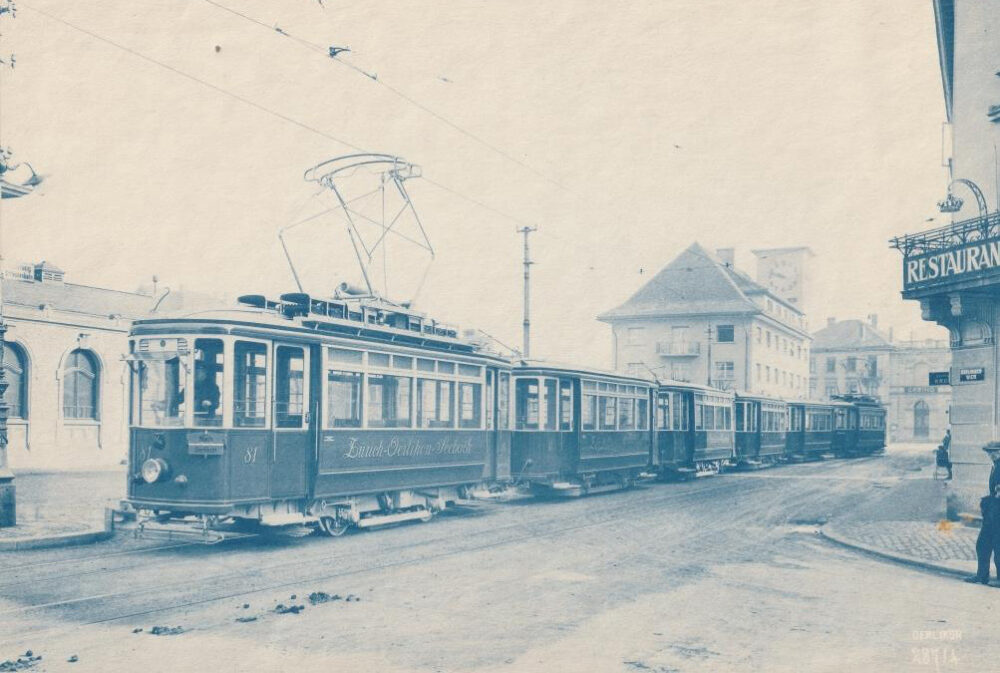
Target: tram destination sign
x=961 y=262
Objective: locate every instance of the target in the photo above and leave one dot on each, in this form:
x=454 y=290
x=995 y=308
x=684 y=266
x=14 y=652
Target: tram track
x=462 y=546
x=666 y=496
x=827 y=467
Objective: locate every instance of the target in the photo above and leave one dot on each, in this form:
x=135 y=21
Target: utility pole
x=8 y=499
x=526 y=346
x=708 y=332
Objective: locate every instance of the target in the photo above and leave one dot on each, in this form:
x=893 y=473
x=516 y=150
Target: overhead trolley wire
x=344 y=62
x=258 y=106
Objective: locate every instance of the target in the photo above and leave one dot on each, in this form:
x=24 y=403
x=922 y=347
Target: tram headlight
x=154 y=469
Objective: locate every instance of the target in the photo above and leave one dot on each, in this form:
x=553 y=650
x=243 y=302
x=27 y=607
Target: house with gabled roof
x=701 y=319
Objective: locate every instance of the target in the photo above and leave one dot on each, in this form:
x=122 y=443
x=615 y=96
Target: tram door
x=294 y=442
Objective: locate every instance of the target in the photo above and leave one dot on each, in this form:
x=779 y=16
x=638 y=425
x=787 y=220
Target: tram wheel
x=333 y=526
x=428 y=515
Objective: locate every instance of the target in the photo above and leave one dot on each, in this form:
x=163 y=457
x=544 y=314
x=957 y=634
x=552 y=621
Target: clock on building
x=782 y=271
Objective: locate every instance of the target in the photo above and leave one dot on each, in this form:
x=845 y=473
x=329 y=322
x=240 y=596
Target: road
x=720 y=574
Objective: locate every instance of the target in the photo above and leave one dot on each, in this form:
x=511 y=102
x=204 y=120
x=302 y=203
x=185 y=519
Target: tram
x=810 y=433
x=578 y=431
x=864 y=418
x=694 y=430
x=761 y=430
x=305 y=411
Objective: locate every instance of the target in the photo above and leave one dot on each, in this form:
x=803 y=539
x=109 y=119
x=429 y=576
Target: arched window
x=15 y=364
x=921 y=419
x=81 y=385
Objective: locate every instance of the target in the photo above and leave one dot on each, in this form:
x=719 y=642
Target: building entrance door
x=921 y=420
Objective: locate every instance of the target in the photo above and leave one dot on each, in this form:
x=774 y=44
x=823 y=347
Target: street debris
x=283 y=609
x=23 y=662
x=244 y=620
x=318 y=597
x=166 y=630
x=73 y=659
x=137 y=630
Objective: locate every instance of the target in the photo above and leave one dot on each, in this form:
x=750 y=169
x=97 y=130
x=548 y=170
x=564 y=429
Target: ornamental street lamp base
x=8 y=512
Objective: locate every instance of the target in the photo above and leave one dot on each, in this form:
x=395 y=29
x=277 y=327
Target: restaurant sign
x=966 y=261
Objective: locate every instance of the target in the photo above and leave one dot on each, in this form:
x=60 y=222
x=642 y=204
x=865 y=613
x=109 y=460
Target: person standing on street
x=988 y=543
x=943 y=459
x=946 y=441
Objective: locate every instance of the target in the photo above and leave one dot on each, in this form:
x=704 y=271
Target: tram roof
x=271 y=324
x=543 y=366
x=687 y=385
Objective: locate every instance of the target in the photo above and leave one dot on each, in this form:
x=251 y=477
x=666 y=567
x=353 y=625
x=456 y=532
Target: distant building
x=918 y=411
x=853 y=356
x=700 y=319
x=68 y=382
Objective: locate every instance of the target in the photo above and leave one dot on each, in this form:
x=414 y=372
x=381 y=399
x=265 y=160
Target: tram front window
x=161 y=392
x=208 y=372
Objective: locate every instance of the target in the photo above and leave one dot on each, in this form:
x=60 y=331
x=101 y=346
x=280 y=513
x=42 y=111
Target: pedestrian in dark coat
x=943 y=459
x=988 y=542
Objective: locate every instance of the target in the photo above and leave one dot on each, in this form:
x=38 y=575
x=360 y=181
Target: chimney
x=873 y=320
x=726 y=255
x=830 y=321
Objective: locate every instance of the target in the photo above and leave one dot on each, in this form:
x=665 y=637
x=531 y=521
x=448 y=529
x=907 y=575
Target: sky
x=174 y=137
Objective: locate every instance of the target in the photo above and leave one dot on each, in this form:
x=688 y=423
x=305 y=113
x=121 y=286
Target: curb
x=896 y=557
x=62 y=540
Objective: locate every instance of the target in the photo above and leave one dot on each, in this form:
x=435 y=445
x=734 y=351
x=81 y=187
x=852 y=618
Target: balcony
x=678 y=348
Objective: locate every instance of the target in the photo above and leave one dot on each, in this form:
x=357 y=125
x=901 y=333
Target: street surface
x=719 y=574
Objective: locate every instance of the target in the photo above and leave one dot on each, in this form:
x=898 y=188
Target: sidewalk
x=57 y=509
x=944 y=547
x=906 y=524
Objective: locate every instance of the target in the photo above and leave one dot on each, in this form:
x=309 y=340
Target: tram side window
x=503 y=403
x=209 y=368
x=388 y=401
x=551 y=403
x=607 y=409
x=434 y=403
x=161 y=392
x=290 y=401
x=250 y=385
x=526 y=394
x=741 y=417
x=343 y=399
x=681 y=404
x=663 y=421
x=642 y=414
x=469 y=405
x=565 y=404
x=588 y=412
x=626 y=413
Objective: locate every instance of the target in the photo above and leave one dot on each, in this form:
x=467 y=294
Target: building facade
x=918 y=411
x=954 y=271
x=700 y=319
x=853 y=356
x=64 y=362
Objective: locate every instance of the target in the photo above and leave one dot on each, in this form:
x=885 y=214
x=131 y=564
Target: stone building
x=954 y=271
x=68 y=382
x=701 y=319
x=853 y=356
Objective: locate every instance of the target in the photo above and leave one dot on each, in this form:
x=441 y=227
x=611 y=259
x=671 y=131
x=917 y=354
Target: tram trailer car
x=810 y=431
x=761 y=430
x=860 y=425
x=578 y=431
x=305 y=411
x=694 y=430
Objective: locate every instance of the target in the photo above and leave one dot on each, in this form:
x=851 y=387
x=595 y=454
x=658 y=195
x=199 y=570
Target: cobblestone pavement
x=944 y=541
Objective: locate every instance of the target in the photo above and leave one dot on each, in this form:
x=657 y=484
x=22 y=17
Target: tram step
x=398 y=517
x=189 y=532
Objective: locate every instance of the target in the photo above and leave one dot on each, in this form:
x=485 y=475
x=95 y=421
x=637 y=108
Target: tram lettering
x=399 y=447
x=250 y=455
